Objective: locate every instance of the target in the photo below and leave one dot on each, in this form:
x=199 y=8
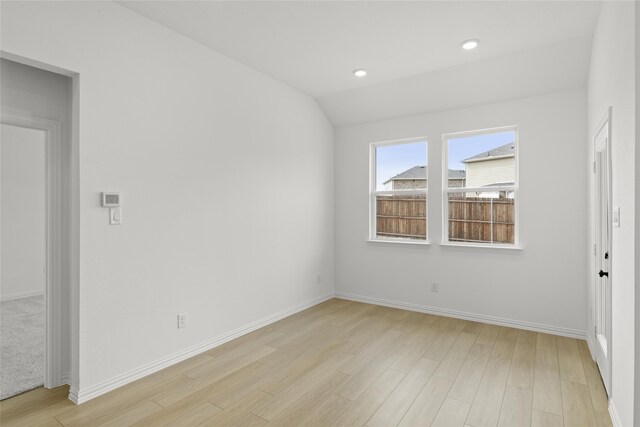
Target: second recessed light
x=360 y=72
x=470 y=44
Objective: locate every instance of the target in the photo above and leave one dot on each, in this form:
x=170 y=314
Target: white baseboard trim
x=73 y=395
x=592 y=349
x=21 y=295
x=555 y=330
x=613 y=412
x=84 y=395
x=65 y=379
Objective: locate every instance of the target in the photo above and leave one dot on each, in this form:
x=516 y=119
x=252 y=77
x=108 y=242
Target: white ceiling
x=551 y=68
x=314 y=46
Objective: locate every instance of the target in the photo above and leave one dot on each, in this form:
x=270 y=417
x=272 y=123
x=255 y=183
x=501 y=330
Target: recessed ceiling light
x=360 y=72
x=470 y=44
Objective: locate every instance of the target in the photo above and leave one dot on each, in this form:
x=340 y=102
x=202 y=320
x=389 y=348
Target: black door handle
x=603 y=273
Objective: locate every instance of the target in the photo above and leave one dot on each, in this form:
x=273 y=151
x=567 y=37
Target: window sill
x=482 y=246
x=401 y=242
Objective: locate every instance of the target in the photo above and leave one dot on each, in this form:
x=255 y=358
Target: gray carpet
x=21 y=345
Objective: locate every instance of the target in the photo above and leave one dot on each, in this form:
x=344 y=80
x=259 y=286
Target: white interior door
x=603 y=211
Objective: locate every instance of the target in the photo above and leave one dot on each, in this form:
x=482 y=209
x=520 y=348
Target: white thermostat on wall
x=110 y=200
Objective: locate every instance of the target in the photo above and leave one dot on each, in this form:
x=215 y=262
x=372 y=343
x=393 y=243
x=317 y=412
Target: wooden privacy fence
x=470 y=219
x=401 y=216
x=481 y=220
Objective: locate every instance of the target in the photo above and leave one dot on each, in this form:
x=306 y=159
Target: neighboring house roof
x=506 y=150
x=420 y=172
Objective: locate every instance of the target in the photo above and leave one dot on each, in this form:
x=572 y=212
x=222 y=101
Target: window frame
x=374 y=192
x=515 y=188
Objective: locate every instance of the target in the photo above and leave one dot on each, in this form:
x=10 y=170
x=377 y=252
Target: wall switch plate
x=115 y=216
x=616 y=217
x=182 y=320
x=435 y=287
x=318 y=279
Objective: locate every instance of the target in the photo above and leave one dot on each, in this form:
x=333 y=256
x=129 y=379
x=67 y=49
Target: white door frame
x=53 y=376
x=603 y=354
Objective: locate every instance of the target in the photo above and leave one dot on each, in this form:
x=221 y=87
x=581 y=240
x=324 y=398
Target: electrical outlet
x=435 y=287
x=318 y=279
x=182 y=320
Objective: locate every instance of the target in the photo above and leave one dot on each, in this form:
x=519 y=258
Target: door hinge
x=595 y=249
x=594 y=166
x=595 y=330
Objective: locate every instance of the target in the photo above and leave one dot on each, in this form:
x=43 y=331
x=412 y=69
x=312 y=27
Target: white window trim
x=446 y=190
x=373 y=192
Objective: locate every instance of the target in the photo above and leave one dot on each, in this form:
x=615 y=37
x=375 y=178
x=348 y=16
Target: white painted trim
x=537 y=327
x=451 y=178
x=404 y=191
x=481 y=189
x=482 y=245
x=592 y=350
x=403 y=242
x=53 y=207
x=466 y=133
x=66 y=378
x=21 y=295
x=613 y=413
x=399 y=141
x=84 y=395
x=37 y=64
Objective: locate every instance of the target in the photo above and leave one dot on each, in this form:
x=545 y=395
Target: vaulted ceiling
x=411 y=50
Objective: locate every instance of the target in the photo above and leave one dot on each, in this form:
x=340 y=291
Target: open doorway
x=23 y=253
x=35 y=293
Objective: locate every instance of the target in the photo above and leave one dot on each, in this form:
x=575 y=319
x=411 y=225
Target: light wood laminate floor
x=350 y=364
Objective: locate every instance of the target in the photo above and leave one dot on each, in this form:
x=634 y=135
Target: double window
x=479 y=187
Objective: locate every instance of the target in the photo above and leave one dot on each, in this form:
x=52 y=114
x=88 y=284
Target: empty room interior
x=319 y=213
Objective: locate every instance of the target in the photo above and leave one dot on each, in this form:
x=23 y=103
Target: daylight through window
x=399 y=190
x=480 y=208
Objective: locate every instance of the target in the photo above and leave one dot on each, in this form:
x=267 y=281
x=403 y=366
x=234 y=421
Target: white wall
x=541 y=285
x=169 y=124
x=611 y=83
x=22 y=201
